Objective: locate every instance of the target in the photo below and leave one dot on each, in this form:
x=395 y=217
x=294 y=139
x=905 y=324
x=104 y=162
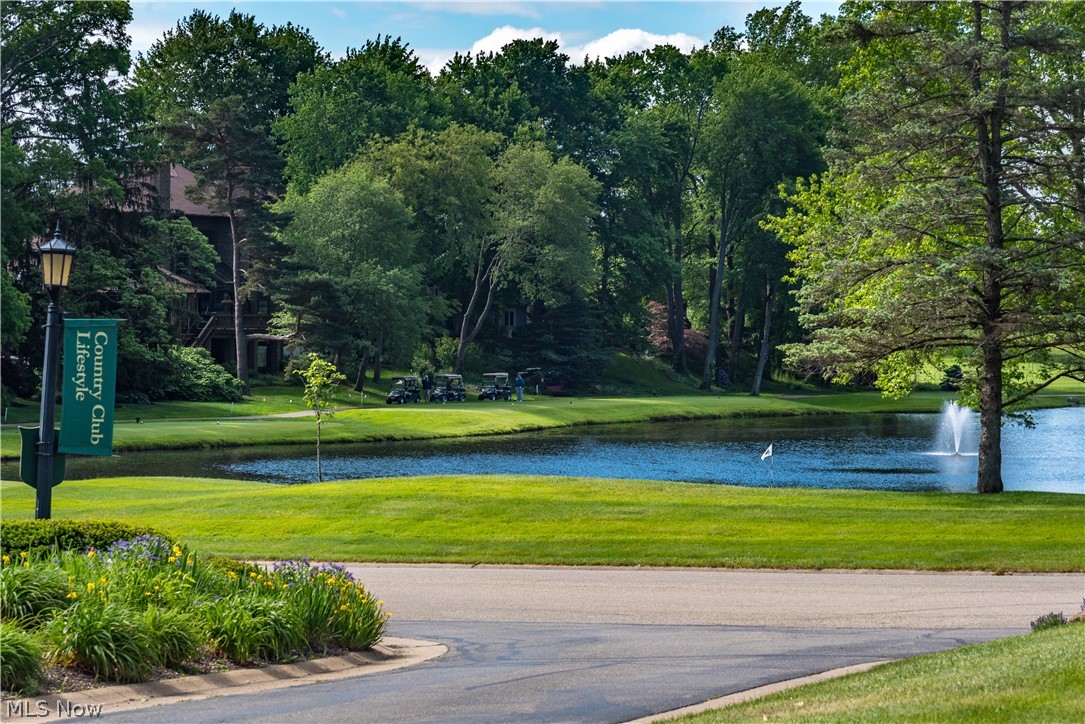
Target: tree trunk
x=766 y=329
x=378 y=353
x=484 y=276
x=724 y=262
x=738 y=328
x=241 y=342
x=319 y=469
x=359 y=381
x=676 y=325
x=989 y=475
x=989 y=146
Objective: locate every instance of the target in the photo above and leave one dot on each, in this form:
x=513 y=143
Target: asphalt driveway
x=611 y=645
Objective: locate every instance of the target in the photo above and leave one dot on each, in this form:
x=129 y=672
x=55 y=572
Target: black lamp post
x=56 y=267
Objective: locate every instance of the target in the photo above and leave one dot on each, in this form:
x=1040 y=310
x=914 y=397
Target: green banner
x=90 y=382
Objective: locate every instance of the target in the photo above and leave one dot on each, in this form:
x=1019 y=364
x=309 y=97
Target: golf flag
x=767 y=453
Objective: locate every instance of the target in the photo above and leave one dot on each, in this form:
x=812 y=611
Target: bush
x=332 y=606
x=953 y=379
x=20 y=659
x=175 y=636
x=249 y=626
x=195 y=376
x=106 y=639
x=118 y=611
x=29 y=594
x=40 y=537
x=1049 y=620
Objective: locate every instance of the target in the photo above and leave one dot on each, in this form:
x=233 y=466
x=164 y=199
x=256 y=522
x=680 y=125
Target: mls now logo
x=30 y=709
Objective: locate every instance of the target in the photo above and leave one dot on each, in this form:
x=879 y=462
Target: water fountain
x=951 y=426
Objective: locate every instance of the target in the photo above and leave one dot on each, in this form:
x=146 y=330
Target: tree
x=953 y=223
x=356 y=292
x=238 y=173
x=540 y=242
x=378 y=91
x=518 y=221
x=322 y=381
x=765 y=131
x=215 y=86
x=670 y=95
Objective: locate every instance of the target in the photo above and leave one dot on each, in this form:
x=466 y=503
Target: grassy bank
x=537 y=520
x=421 y=421
x=1039 y=677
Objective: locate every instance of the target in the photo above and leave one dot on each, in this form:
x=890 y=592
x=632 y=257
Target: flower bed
x=148 y=603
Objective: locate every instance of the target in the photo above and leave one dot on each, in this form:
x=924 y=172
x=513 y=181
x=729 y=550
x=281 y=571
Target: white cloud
x=617 y=43
x=500 y=37
x=630 y=40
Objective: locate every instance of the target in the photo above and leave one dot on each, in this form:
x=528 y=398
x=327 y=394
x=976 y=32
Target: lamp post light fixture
x=56 y=267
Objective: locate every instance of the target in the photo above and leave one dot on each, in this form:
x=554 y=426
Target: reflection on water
x=880 y=452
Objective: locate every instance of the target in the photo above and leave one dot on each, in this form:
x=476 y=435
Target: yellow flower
x=171 y=559
x=90 y=586
x=73 y=594
x=156 y=586
x=23 y=554
x=231 y=575
x=177 y=551
x=26 y=564
x=91 y=553
x=7 y=559
x=102 y=580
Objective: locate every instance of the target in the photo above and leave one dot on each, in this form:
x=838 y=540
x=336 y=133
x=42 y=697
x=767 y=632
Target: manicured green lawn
x=537 y=520
x=420 y=421
x=262 y=401
x=1039 y=677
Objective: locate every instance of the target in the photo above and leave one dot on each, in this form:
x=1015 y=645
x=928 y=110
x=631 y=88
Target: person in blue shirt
x=519 y=387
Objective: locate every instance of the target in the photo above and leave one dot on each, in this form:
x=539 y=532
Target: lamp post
x=56 y=267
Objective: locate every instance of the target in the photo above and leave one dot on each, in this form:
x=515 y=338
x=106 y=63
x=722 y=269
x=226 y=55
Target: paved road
x=606 y=645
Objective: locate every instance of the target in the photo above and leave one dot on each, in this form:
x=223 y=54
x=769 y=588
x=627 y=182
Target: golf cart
x=448 y=388
x=495 y=386
x=404 y=390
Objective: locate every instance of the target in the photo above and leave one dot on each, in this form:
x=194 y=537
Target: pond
x=906 y=452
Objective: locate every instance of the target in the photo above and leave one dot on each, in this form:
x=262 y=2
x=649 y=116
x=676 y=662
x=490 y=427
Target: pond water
x=907 y=452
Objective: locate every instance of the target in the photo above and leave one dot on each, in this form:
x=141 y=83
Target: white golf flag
x=767 y=453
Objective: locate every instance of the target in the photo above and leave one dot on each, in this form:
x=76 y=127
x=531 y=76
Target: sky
x=437 y=29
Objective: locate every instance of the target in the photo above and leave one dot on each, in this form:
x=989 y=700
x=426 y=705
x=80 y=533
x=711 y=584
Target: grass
x=1038 y=677
x=422 y=421
x=539 y=520
x=262 y=401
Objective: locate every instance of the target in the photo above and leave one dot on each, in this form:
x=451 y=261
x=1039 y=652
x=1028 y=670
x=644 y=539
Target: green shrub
x=1049 y=620
x=106 y=639
x=30 y=593
x=41 y=537
x=250 y=625
x=175 y=635
x=195 y=376
x=332 y=606
x=20 y=659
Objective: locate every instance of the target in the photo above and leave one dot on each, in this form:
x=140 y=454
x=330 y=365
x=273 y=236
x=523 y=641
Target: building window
x=510 y=318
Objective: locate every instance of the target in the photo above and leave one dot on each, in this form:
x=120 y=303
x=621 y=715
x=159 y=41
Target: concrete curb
x=757 y=693
x=390 y=654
